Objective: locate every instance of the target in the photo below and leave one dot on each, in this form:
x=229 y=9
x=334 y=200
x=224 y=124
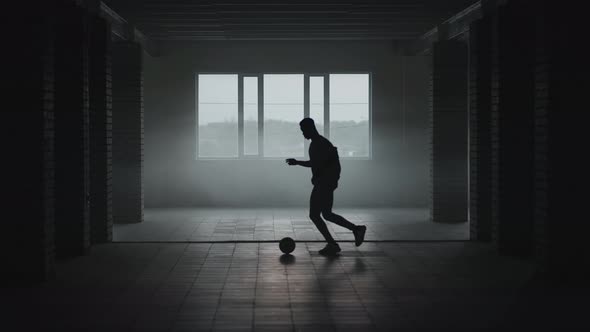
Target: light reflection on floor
x=207 y=224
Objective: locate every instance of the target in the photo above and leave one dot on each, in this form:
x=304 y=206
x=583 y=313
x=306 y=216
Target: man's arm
x=304 y=163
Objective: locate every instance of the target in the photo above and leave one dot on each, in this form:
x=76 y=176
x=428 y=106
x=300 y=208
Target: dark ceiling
x=286 y=19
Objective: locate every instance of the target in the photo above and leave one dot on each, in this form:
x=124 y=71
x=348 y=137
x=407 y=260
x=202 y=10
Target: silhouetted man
x=325 y=169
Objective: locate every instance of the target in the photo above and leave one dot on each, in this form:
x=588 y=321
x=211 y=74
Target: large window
x=316 y=102
x=349 y=114
x=218 y=116
x=257 y=115
x=283 y=109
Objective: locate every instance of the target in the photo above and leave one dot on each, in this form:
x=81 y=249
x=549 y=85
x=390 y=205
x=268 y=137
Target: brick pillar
x=100 y=89
x=512 y=130
x=71 y=131
x=449 y=131
x=127 y=132
x=545 y=38
x=480 y=145
x=27 y=246
x=561 y=183
x=495 y=88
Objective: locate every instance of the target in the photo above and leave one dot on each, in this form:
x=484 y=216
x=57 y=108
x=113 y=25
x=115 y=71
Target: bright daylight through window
x=257 y=116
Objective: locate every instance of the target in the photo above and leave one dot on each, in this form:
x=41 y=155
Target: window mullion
x=197 y=116
x=306 y=110
x=240 y=116
x=370 y=116
x=327 y=106
x=261 y=115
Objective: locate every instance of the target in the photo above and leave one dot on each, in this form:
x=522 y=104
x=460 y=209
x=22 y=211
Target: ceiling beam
x=449 y=29
x=125 y=31
x=267 y=19
x=306 y=37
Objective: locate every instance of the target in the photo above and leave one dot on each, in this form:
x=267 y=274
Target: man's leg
x=316 y=203
x=358 y=231
x=328 y=197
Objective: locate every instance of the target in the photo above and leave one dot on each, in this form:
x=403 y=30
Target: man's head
x=308 y=128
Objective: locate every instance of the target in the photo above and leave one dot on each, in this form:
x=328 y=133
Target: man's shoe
x=330 y=249
x=359 y=235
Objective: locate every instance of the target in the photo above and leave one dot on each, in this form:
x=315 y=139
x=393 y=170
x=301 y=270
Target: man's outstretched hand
x=291 y=161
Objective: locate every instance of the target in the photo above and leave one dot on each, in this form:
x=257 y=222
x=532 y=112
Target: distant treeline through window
x=257 y=116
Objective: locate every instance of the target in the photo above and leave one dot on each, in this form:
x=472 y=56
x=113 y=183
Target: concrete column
x=100 y=89
x=71 y=131
x=128 y=137
x=449 y=131
x=480 y=145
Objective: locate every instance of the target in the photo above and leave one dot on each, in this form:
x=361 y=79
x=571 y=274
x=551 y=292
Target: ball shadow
x=287 y=259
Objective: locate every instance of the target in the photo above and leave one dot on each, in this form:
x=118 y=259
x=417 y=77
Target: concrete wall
x=397 y=174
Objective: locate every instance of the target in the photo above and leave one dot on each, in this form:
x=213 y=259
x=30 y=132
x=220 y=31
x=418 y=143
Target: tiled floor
x=459 y=286
x=206 y=224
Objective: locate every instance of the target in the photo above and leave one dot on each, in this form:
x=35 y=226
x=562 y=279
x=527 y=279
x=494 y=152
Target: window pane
x=218 y=115
x=316 y=101
x=283 y=109
x=349 y=114
x=250 y=115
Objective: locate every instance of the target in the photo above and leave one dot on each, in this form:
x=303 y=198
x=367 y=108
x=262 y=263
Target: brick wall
x=71 y=131
x=54 y=87
x=449 y=131
x=512 y=152
x=480 y=94
x=541 y=170
x=128 y=135
x=48 y=163
x=538 y=186
x=495 y=147
x=561 y=86
x=27 y=248
x=100 y=112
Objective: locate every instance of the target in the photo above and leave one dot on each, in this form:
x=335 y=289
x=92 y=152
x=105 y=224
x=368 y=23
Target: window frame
x=260 y=80
x=196 y=85
x=306 y=111
x=370 y=116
